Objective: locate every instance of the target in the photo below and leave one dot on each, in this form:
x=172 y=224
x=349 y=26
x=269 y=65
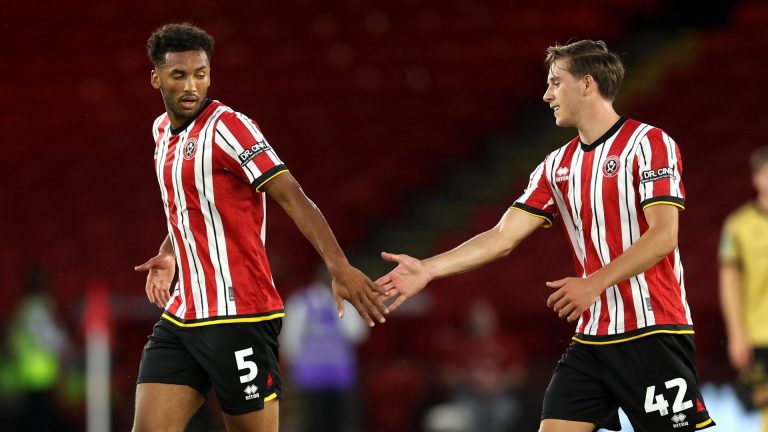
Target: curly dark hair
x=178 y=38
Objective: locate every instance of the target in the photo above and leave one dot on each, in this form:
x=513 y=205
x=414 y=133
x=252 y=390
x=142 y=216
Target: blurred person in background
x=484 y=368
x=32 y=369
x=220 y=326
x=321 y=354
x=618 y=189
x=743 y=256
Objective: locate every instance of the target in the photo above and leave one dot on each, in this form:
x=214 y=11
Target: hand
x=573 y=296
x=352 y=285
x=404 y=281
x=161 y=269
x=739 y=352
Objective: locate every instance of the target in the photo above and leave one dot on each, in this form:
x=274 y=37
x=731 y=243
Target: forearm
x=649 y=249
x=486 y=247
x=313 y=225
x=731 y=301
x=475 y=252
x=166 y=248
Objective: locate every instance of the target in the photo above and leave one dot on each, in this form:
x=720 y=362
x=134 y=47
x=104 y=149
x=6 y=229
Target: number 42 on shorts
x=654 y=402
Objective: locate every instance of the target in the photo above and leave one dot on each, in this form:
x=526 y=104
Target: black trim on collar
x=604 y=138
x=181 y=128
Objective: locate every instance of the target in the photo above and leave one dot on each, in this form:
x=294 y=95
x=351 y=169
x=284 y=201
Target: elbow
x=507 y=248
x=667 y=242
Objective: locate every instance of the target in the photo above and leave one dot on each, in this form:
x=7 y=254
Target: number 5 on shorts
x=242 y=363
x=654 y=402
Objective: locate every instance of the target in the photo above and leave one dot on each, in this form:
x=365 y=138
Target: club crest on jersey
x=190 y=148
x=248 y=154
x=611 y=166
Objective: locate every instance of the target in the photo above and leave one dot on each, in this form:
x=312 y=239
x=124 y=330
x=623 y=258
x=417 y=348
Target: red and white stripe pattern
x=210 y=172
x=600 y=192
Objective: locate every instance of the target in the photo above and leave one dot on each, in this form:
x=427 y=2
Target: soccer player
x=744 y=286
x=220 y=326
x=617 y=189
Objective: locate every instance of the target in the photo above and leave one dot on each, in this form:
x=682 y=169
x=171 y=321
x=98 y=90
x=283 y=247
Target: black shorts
x=240 y=360
x=653 y=379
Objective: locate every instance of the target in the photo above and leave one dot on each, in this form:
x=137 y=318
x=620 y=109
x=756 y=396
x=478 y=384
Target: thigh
x=263 y=420
x=165 y=407
x=576 y=394
x=655 y=380
x=242 y=363
x=551 y=425
x=171 y=384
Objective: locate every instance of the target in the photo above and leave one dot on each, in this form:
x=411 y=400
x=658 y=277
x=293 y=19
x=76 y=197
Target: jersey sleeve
x=659 y=171
x=249 y=155
x=728 y=251
x=537 y=199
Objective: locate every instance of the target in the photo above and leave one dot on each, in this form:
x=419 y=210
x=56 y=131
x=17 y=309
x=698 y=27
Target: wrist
x=430 y=268
x=336 y=264
x=599 y=282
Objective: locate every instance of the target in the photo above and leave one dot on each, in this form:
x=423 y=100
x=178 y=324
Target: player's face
x=563 y=94
x=183 y=80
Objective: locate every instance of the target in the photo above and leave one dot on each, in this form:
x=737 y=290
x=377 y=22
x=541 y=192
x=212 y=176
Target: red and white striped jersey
x=600 y=191
x=210 y=172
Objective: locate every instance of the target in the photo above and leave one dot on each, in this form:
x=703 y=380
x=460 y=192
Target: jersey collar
x=604 y=138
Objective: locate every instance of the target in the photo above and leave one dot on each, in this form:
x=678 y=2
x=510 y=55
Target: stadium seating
x=365 y=103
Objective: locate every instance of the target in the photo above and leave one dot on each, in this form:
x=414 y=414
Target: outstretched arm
x=575 y=295
x=161 y=269
x=348 y=282
x=412 y=275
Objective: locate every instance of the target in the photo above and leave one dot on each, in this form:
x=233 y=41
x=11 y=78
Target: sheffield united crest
x=611 y=166
x=190 y=147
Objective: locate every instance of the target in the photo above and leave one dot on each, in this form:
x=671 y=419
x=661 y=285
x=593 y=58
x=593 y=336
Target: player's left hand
x=352 y=285
x=573 y=296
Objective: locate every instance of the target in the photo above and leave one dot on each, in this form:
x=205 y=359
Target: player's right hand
x=404 y=281
x=160 y=270
x=739 y=352
x=350 y=284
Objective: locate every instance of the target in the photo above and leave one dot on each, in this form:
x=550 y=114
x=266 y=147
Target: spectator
x=744 y=287
x=321 y=354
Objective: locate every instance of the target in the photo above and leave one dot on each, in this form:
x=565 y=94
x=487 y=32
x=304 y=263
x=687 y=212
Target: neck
x=762 y=202
x=599 y=119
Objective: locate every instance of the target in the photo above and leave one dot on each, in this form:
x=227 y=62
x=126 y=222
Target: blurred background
x=413 y=124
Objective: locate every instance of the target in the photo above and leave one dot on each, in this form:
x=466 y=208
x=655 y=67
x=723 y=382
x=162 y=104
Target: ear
x=155 y=80
x=588 y=85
